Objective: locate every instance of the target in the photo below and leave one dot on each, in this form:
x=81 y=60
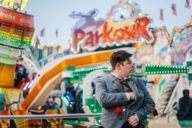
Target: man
x=185 y=106
x=124 y=100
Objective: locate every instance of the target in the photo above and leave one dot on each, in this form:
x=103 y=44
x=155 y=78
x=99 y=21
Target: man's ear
x=118 y=65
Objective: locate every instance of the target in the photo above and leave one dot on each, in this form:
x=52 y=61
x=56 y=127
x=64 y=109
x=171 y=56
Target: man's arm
x=107 y=99
x=148 y=103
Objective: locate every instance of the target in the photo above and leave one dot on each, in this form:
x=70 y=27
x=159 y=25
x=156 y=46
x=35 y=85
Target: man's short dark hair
x=119 y=57
x=95 y=126
x=186 y=92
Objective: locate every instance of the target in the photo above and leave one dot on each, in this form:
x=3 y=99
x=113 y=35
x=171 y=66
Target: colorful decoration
x=94 y=107
x=84 y=72
x=110 y=34
x=161 y=14
x=23 y=4
x=187 y=4
x=14 y=4
x=123 y=26
x=170 y=38
x=173 y=8
x=163 y=69
x=42 y=32
x=16 y=29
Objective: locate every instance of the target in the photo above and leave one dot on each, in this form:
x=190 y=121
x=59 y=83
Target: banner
x=13 y=17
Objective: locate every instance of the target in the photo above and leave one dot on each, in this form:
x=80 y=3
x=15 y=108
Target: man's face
x=125 y=68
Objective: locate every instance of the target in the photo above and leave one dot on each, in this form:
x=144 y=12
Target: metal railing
x=50 y=116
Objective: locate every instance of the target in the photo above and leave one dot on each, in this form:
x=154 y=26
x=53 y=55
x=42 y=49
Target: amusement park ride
x=26 y=88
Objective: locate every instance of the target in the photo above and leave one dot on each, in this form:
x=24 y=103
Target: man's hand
x=132 y=95
x=133 y=120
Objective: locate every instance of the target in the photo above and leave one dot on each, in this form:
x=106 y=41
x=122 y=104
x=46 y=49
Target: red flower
x=154 y=111
x=118 y=110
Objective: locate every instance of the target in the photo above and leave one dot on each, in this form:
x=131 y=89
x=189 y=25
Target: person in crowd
x=185 y=107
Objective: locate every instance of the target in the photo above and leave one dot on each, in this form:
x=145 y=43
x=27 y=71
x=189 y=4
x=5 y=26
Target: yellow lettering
x=170 y=38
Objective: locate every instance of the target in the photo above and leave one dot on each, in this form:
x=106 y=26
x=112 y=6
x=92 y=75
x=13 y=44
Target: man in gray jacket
x=124 y=100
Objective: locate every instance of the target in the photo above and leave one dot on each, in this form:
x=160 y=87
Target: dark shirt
x=185 y=109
